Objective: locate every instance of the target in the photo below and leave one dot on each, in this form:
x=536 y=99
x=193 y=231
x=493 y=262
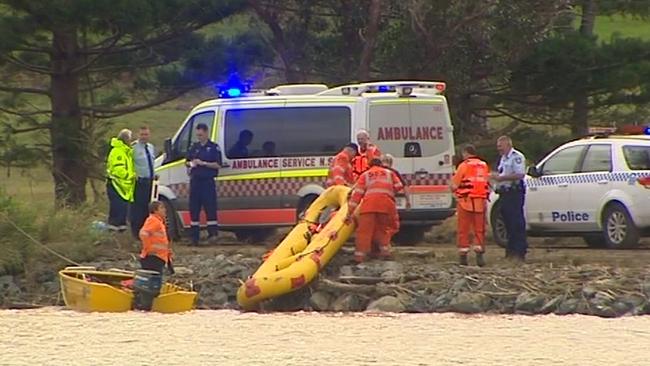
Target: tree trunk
x=68 y=163
x=580 y=117
x=371 y=39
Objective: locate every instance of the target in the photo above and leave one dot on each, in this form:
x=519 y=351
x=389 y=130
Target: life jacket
x=154 y=238
x=475 y=183
x=361 y=162
x=377 y=187
x=340 y=172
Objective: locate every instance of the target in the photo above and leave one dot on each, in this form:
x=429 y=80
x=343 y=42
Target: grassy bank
x=65 y=231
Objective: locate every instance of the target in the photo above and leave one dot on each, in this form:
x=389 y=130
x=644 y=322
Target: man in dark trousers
x=120 y=180
x=204 y=160
x=143 y=155
x=512 y=192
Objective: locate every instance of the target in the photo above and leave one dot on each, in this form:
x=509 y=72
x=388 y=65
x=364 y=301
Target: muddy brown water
x=53 y=336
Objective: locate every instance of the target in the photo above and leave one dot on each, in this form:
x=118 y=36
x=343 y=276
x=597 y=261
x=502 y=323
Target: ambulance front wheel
x=303 y=205
x=173 y=226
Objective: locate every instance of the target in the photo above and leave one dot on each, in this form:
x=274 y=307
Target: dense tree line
x=67 y=65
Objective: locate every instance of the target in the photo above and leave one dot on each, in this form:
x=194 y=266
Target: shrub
x=66 y=231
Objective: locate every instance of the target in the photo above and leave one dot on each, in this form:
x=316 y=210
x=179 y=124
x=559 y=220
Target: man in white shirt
x=143 y=155
x=512 y=191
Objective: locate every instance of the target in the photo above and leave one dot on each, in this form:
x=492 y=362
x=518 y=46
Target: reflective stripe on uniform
x=211 y=222
x=380 y=191
x=194 y=223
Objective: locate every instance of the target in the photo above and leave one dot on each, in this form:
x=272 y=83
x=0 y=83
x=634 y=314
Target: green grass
x=622 y=26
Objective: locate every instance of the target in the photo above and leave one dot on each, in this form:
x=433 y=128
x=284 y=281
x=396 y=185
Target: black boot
x=463 y=259
x=480 y=261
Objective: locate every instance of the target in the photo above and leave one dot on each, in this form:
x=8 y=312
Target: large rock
x=459 y=285
x=467 y=302
x=218 y=298
x=528 y=303
x=320 y=301
x=346 y=271
x=389 y=304
x=551 y=305
x=8 y=286
x=348 y=302
x=567 y=306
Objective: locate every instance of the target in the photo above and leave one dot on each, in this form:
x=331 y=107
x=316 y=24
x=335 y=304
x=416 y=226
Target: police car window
x=563 y=162
x=187 y=136
x=295 y=131
x=637 y=157
x=597 y=159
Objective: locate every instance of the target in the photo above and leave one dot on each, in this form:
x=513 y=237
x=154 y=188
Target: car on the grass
x=597 y=188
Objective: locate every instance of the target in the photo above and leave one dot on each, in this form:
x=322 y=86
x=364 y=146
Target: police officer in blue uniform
x=512 y=191
x=204 y=160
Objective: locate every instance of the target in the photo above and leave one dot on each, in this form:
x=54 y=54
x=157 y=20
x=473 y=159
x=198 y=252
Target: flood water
x=53 y=336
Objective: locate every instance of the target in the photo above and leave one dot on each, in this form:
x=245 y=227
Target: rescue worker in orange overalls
x=340 y=171
x=387 y=162
x=365 y=154
x=156 y=251
x=375 y=190
x=470 y=184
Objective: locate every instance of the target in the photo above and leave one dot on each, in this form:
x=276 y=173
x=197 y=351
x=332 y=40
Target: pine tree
x=66 y=62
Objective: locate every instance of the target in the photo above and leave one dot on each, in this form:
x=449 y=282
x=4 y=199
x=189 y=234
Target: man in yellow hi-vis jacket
x=120 y=180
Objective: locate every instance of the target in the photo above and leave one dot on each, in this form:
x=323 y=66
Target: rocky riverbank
x=417 y=281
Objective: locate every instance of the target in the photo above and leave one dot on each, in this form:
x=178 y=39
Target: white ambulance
x=278 y=145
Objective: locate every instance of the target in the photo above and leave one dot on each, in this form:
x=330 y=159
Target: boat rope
x=52 y=251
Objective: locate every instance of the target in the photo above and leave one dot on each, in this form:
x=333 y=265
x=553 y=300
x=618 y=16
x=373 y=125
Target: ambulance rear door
x=418 y=133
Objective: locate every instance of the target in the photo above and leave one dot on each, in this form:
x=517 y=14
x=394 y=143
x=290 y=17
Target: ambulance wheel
x=173 y=227
x=303 y=205
x=498 y=225
x=410 y=235
x=254 y=236
x=618 y=228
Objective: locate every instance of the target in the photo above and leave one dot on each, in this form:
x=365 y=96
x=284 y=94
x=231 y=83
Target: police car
x=596 y=187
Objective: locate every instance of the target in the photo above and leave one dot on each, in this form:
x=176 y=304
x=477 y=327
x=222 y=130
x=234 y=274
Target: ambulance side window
x=286 y=132
x=187 y=136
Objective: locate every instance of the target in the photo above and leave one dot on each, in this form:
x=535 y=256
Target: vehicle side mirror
x=169 y=151
x=534 y=172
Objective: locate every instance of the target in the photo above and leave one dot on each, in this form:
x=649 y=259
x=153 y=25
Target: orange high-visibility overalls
x=154 y=239
x=361 y=162
x=376 y=190
x=472 y=182
x=340 y=172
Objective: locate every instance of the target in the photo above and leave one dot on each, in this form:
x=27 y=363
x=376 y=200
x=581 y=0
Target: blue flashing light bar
x=234 y=92
x=234 y=87
x=646 y=130
x=383 y=88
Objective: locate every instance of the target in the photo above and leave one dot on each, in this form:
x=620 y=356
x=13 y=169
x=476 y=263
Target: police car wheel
x=499 y=232
x=618 y=228
x=594 y=240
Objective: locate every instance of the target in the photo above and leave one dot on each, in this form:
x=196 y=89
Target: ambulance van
x=277 y=146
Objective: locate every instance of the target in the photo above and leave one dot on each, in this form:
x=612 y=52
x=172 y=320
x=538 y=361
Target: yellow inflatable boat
x=296 y=261
x=89 y=290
